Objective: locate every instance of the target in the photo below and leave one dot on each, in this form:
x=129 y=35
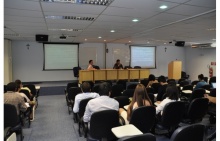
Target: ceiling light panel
x=91 y=2
x=70 y=18
x=65 y=29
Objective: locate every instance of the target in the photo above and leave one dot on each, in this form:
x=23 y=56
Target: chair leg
x=79 y=128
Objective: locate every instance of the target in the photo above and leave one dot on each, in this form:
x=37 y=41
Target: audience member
x=172 y=94
x=90 y=66
x=201 y=82
x=140 y=98
x=86 y=89
x=162 y=88
x=151 y=80
x=104 y=102
x=10 y=97
x=19 y=83
x=118 y=65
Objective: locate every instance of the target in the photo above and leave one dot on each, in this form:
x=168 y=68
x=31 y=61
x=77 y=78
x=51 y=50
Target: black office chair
x=122 y=100
x=180 y=80
x=82 y=107
x=101 y=123
x=150 y=90
x=144 y=82
x=123 y=83
x=198 y=93
x=184 y=83
x=207 y=87
x=26 y=92
x=197 y=109
x=96 y=67
x=69 y=85
x=194 y=82
x=171 y=80
x=76 y=71
x=194 y=132
x=128 y=92
x=116 y=90
x=127 y=67
x=12 y=120
x=212 y=80
x=95 y=89
x=142 y=137
x=131 y=86
x=137 y=67
x=156 y=87
x=72 y=92
x=171 y=117
x=33 y=89
x=143 y=118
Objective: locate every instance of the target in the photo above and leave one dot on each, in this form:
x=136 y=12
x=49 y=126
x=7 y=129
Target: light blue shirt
x=80 y=97
x=200 y=84
x=99 y=104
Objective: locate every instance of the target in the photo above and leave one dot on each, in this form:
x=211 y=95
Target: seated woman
x=172 y=94
x=140 y=98
x=151 y=80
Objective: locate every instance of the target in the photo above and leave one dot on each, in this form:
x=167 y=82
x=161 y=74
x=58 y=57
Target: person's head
x=118 y=61
x=86 y=87
x=18 y=83
x=200 y=77
x=140 y=94
x=161 y=79
x=91 y=62
x=172 y=92
x=105 y=89
x=12 y=86
x=151 y=77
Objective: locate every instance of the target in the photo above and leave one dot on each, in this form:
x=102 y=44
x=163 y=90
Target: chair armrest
x=122 y=120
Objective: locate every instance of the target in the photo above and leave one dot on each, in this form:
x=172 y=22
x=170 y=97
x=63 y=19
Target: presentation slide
x=143 y=56
x=60 y=56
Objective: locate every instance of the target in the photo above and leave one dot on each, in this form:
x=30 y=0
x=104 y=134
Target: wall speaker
x=41 y=38
x=180 y=43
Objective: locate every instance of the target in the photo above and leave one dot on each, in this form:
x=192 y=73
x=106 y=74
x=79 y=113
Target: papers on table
x=155 y=95
x=187 y=91
x=27 y=104
x=126 y=107
x=126 y=130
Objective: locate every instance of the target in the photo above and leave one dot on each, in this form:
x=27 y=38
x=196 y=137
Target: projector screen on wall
x=60 y=56
x=143 y=56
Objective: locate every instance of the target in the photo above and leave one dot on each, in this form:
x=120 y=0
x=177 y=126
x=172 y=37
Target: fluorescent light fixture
x=112 y=31
x=104 y=40
x=213 y=45
x=70 y=18
x=85 y=39
x=53 y=29
x=135 y=20
x=129 y=41
x=164 y=43
x=99 y=37
x=91 y=2
x=148 y=42
x=163 y=7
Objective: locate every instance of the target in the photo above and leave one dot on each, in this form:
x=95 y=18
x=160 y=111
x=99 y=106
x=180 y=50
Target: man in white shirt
x=86 y=89
x=104 y=102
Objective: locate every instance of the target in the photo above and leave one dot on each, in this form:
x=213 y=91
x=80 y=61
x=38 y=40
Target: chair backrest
x=128 y=92
x=26 y=92
x=206 y=87
x=144 y=82
x=76 y=71
x=72 y=92
x=32 y=88
x=123 y=83
x=142 y=137
x=183 y=83
x=194 y=82
x=116 y=90
x=150 y=90
x=156 y=87
x=127 y=67
x=143 y=118
x=72 y=84
x=212 y=79
x=197 y=109
x=172 y=113
x=11 y=119
x=151 y=96
x=170 y=80
x=180 y=80
x=96 y=67
x=102 y=122
x=137 y=67
x=131 y=86
x=188 y=87
x=82 y=106
x=194 y=132
x=122 y=100
x=198 y=93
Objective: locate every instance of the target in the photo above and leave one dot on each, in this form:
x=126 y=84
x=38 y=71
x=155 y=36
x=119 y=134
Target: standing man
x=86 y=89
x=90 y=66
x=118 y=65
x=104 y=102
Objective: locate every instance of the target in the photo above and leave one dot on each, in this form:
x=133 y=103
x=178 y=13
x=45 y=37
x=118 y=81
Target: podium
x=174 y=69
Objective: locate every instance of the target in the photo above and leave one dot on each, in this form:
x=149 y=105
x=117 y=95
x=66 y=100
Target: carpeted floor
x=58 y=90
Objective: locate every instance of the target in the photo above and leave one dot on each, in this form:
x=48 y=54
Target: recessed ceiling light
x=163 y=7
x=112 y=31
x=148 y=42
x=85 y=39
x=99 y=37
x=129 y=41
x=135 y=20
x=104 y=40
x=164 y=43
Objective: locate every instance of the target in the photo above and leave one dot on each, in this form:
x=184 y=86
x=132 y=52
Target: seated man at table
x=118 y=65
x=19 y=83
x=104 y=102
x=90 y=66
x=86 y=89
x=10 y=97
x=162 y=88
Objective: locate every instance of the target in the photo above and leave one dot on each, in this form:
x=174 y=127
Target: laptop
x=213 y=85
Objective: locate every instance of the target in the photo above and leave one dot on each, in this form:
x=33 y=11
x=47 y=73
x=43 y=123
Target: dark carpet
x=58 y=90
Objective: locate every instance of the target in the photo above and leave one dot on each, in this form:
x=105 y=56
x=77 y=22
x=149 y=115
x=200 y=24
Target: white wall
x=7 y=62
x=198 y=60
x=28 y=64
